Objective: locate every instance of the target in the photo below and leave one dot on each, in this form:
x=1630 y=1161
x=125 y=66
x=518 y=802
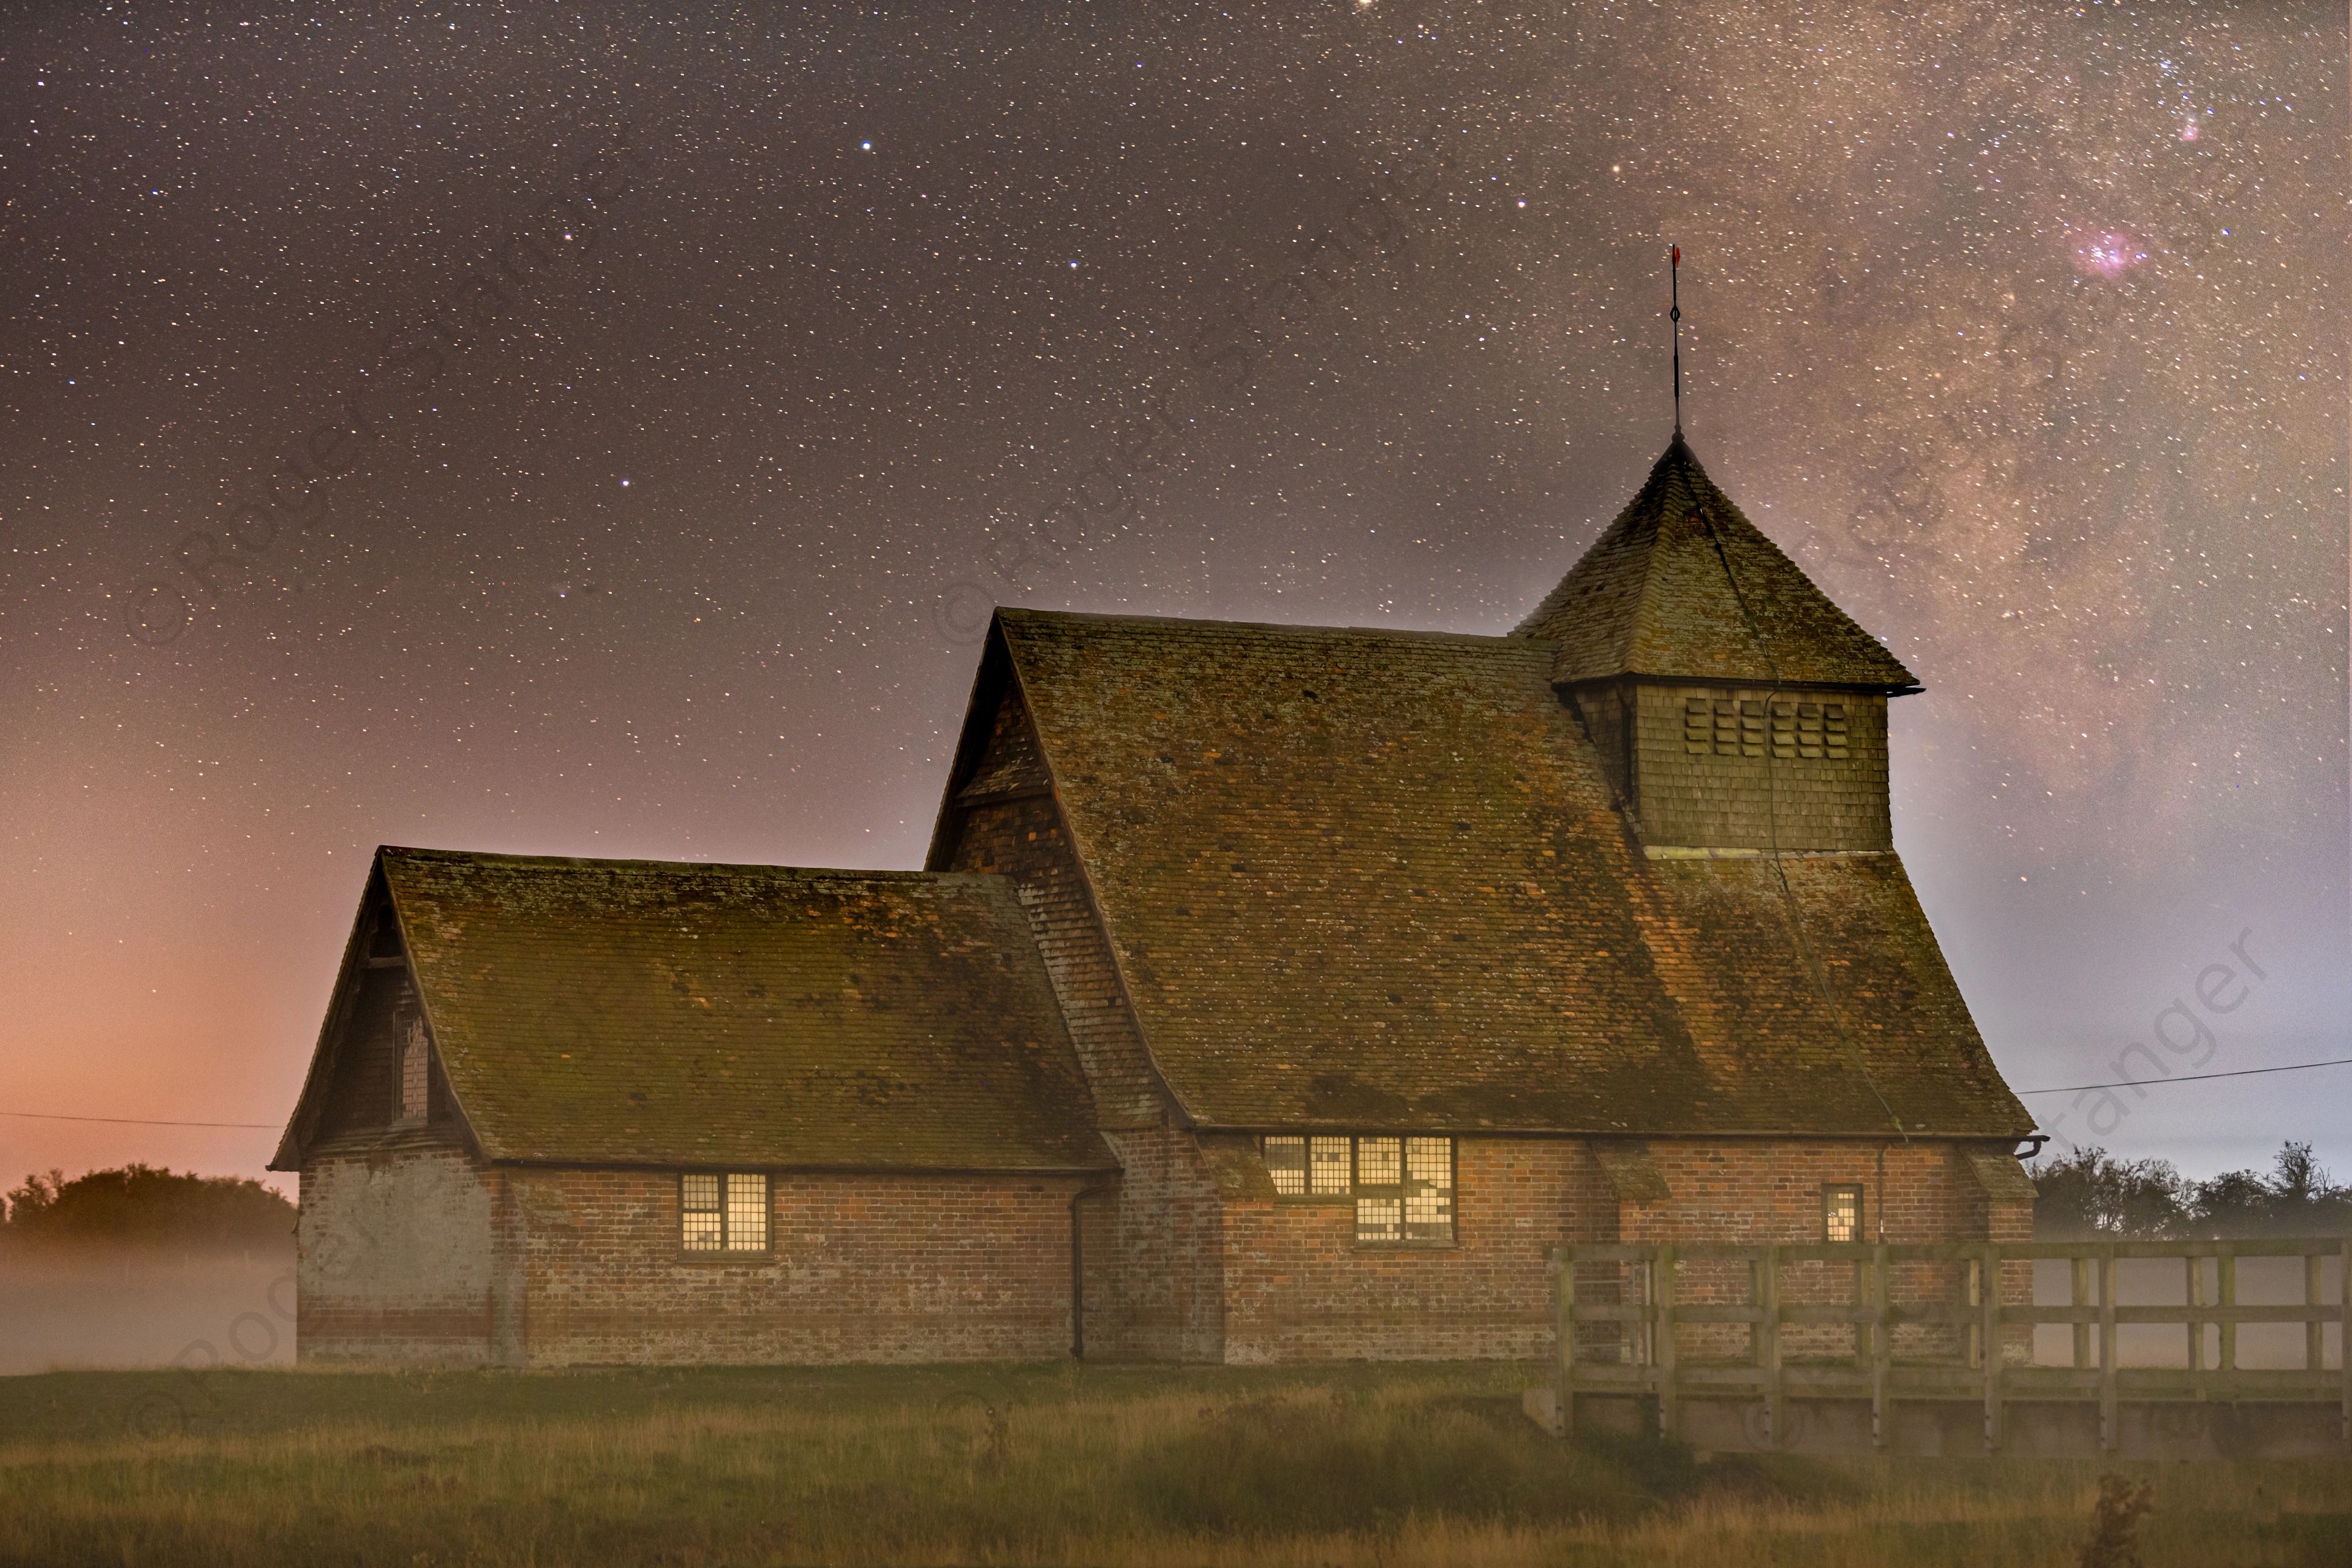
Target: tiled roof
x=1652 y=597
x=1366 y=879
x=638 y=1012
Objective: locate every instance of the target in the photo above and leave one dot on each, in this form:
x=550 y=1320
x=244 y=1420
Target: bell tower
x=1734 y=707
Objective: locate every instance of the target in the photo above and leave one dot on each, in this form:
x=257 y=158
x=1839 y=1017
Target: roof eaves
x=475 y=1144
x=1084 y=863
x=311 y=1103
x=972 y=742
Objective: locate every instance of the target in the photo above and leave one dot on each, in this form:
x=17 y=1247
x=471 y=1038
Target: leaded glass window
x=722 y=1214
x=1841 y=1214
x=1401 y=1188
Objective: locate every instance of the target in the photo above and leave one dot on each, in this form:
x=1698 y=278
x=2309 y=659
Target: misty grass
x=1017 y=1464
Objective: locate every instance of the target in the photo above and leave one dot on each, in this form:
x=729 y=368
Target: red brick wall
x=1157 y=1297
x=413 y=1255
x=863 y=1268
x=1298 y=1287
x=1752 y=1192
x=394 y=1260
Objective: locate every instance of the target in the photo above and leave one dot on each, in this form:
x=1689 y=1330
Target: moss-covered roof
x=1372 y=878
x=1652 y=597
x=631 y=1011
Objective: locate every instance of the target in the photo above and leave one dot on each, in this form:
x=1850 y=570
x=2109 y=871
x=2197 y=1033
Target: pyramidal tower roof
x=1655 y=595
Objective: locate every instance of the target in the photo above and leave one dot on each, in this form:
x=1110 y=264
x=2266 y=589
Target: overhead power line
x=139 y=1121
x=2191 y=1078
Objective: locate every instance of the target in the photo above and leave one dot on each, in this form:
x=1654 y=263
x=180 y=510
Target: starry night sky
x=602 y=432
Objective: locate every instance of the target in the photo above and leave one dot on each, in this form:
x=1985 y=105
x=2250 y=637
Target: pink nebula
x=2107 y=252
x=2188 y=131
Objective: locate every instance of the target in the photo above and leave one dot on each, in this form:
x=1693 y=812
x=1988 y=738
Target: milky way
x=604 y=433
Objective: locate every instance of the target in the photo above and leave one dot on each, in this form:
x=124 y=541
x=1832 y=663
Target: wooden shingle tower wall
x=1733 y=705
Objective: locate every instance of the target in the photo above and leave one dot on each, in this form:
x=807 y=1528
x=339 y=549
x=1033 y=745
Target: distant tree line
x=2088 y=1196
x=141 y=1205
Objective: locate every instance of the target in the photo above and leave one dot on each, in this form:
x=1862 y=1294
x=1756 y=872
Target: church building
x=1269 y=994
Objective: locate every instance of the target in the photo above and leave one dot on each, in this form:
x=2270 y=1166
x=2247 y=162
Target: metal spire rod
x=1674 y=272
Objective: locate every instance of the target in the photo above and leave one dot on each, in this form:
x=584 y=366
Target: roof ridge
x=748 y=869
x=1275 y=628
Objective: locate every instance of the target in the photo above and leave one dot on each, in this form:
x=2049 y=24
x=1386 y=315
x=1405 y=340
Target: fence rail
x=1632 y=1348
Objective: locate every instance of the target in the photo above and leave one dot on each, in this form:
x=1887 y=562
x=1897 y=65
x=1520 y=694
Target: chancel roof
x=632 y=1011
x=1660 y=593
x=1368 y=878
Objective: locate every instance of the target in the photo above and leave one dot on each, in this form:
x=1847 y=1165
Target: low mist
x=142 y=1267
x=96 y=1304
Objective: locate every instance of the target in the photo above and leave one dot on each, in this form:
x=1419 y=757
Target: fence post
x=2081 y=1269
x=2314 y=1330
x=2109 y=1438
x=1865 y=1354
x=1564 y=1301
x=1669 y=1421
x=1882 y=1348
x=1768 y=1342
x=1991 y=1317
x=2196 y=1268
x=2225 y=1280
x=1973 y=1335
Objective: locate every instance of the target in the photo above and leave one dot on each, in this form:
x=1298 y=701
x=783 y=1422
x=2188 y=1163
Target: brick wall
x=863 y=1268
x=1750 y=1191
x=412 y=1254
x=1298 y=1287
x=1167 y=1224
x=1704 y=799
x=395 y=1259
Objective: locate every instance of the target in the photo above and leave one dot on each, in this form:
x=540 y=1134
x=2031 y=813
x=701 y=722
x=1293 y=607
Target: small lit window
x=1402 y=1188
x=1285 y=1157
x=1841 y=1214
x=1429 y=1189
x=1330 y=1167
x=723 y=1213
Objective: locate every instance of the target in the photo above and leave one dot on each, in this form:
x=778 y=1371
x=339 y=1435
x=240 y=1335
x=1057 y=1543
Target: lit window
x=722 y=1214
x=1286 y=1159
x=1841 y=1214
x=1330 y=1167
x=1429 y=1189
x=1402 y=1188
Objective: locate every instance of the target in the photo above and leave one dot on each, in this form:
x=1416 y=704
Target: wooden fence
x=1635 y=1346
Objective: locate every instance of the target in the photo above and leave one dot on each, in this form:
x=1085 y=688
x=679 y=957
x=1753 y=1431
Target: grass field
x=1003 y=1463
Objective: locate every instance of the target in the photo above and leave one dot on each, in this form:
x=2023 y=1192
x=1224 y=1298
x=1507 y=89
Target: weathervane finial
x=1675 y=273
